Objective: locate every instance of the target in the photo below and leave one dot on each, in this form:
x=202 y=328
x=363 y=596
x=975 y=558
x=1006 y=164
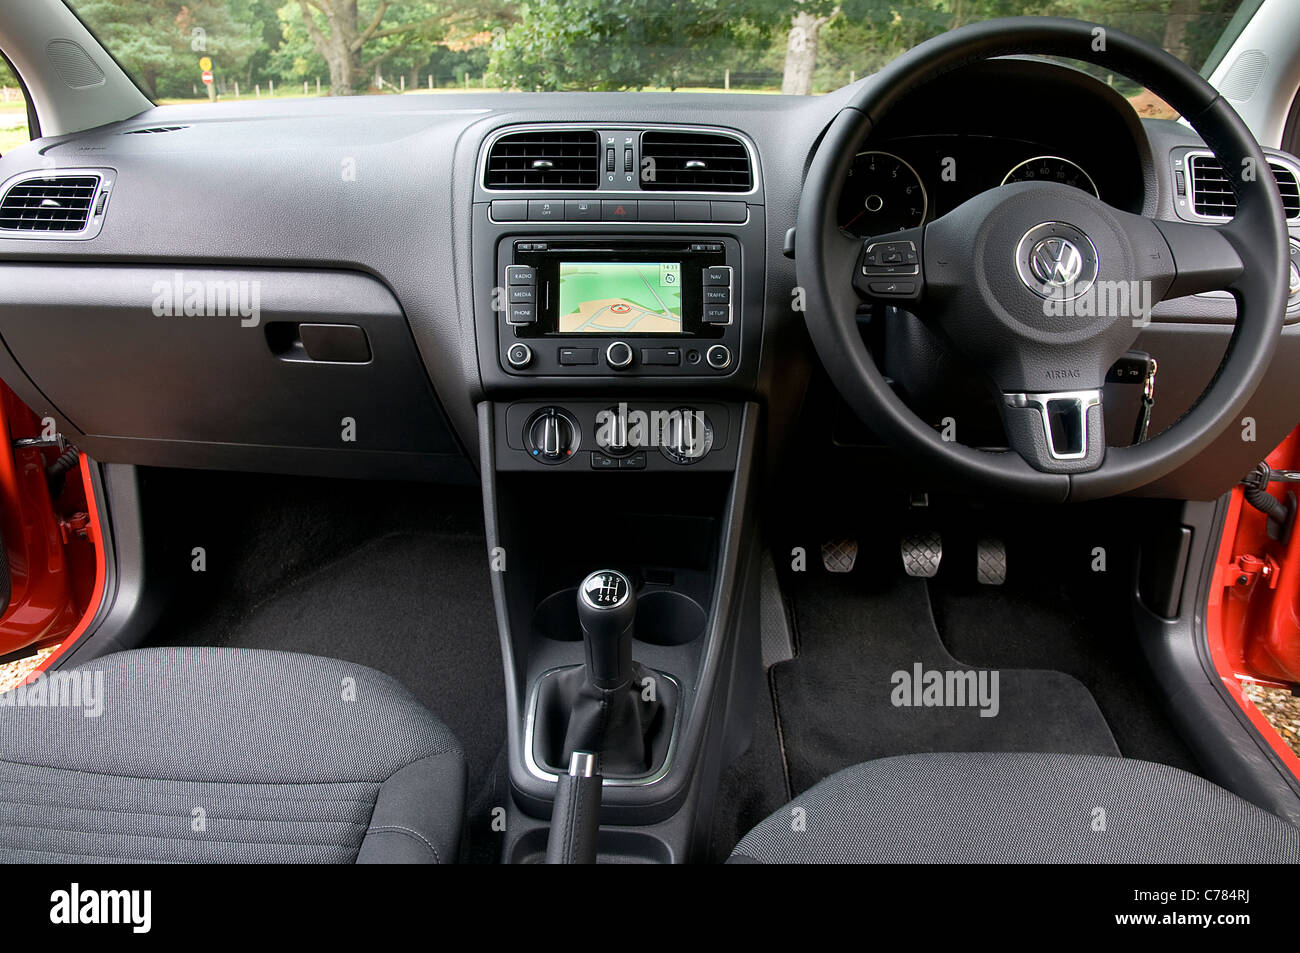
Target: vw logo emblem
x=1056 y=262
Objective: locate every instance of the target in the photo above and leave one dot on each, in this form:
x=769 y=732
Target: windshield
x=263 y=49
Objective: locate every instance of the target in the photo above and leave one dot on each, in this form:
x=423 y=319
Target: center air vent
x=1212 y=194
x=56 y=203
x=545 y=159
x=152 y=130
x=694 y=162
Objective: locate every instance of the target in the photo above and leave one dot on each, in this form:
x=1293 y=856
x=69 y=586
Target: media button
x=522 y=294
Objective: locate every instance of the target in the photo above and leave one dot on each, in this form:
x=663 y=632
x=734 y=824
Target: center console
x=618 y=288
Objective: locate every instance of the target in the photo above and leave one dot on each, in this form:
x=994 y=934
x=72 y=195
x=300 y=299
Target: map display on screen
x=608 y=297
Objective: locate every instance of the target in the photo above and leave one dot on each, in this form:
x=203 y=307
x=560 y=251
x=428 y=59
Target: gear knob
x=606 y=611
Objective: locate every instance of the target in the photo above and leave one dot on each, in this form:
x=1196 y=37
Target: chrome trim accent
x=104 y=181
x=1084 y=400
x=582 y=589
x=537 y=771
x=1012 y=171
x=1077 y=237
x=1191 y=183
x=634 y=128
x=584 y=764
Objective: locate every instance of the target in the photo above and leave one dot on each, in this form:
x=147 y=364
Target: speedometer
x=1052 y=169
x=882 y=194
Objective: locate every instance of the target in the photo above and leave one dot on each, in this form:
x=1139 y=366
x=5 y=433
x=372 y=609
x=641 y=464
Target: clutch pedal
x=839 y=555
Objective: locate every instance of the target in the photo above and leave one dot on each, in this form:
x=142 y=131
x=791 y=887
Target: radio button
x=664 y=356
x=577 y=355
x=717 y=275
x=518 y=314
x=718 y=356
x=521 y=275
x=619 y=355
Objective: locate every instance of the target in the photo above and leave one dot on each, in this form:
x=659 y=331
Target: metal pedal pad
x=990 y=561
x=839 y=555
x=922 y=553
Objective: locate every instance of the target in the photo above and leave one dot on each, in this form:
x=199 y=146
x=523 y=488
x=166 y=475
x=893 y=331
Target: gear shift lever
x=606 y=612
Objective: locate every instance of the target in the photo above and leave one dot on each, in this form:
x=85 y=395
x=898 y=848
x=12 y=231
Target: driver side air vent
x=57 y=203
x=544 y=159
x=694 y=162
x=1212 y=194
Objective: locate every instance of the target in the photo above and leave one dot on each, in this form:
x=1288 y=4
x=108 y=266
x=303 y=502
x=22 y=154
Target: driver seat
x=987 y=808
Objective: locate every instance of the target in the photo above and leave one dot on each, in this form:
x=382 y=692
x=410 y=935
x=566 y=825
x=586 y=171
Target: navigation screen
x=616 y=297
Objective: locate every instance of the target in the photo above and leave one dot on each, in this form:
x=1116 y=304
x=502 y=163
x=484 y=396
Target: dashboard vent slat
x=554 y=159
x=1213 y=195
x=51 y=204
x=694 y=162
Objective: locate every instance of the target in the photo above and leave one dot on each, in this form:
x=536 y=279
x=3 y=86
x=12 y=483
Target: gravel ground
x=11 y=673
x=1280 y=707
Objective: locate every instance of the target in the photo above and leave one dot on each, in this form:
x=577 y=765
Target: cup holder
x=663 y=617
x=666 y=617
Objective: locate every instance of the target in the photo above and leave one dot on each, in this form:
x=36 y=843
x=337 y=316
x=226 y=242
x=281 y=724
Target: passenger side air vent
x=694 y=162
x=544 y=159
x=1212 y=194
x=56 y=203
x=152 y=130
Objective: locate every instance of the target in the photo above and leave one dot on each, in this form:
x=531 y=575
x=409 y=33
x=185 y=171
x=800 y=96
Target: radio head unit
x=672 y=306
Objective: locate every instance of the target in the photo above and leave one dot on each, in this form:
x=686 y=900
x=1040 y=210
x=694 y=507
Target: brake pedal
x=990 y=561
x=839 y=555
x=922 y=553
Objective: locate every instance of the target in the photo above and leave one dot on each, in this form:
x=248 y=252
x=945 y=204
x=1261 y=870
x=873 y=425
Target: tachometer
x=1052 y=169
x=882 y=194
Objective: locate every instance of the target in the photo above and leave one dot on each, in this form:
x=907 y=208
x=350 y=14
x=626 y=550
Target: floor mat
x=836 y=700
x=1080 y=626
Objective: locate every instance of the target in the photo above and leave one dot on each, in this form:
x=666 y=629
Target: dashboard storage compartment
x=139 y=359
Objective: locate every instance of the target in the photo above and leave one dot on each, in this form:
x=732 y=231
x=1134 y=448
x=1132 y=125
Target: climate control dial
x=687 y=436
x=551 y=435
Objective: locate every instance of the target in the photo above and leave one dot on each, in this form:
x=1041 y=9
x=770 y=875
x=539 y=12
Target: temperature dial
x=687 y=436
x=551 y=436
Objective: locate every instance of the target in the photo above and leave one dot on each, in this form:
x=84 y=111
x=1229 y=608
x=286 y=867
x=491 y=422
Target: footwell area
x=851 y=693
x=390 y=576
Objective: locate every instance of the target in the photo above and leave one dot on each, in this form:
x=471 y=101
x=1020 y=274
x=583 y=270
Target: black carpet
x=835 y=700
x=1077 y=624
x=393 y=576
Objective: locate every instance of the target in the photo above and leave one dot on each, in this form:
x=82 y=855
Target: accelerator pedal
x=990 y=561
x=839 y=555
x=922 y=553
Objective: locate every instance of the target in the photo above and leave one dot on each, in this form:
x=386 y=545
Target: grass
x=13 y=127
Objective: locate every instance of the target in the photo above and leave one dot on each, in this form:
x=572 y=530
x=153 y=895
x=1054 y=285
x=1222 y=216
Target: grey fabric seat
x=226 y=755
x=1018 y=808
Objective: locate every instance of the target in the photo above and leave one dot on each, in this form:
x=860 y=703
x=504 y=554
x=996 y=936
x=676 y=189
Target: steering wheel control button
x=718 y=356
x=893 y=287
x=889 y=259
x=618 y=355
x=1057 y=260
x=519 y=356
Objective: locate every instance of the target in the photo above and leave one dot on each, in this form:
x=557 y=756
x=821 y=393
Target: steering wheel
x=1002 y=277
